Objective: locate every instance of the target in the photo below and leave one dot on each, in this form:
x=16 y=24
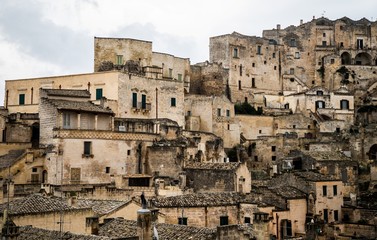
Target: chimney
x=278 y=26
x=301 y=21
x=92 y=225
x=144 y=221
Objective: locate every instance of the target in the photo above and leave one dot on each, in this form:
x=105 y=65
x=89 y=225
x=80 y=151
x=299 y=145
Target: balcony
x=142 y=107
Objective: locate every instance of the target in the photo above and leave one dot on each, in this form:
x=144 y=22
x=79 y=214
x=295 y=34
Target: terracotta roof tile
x=80 y=106
x=213 y=166
x=100 y=207
x=68 y=93
x=31 y=233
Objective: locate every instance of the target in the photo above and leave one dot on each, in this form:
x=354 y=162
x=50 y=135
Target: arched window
x=346 y=58
x=363 y=59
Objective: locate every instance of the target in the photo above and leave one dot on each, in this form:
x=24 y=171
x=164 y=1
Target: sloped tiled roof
x=198 y=200
x=213 y=166
x=121 y=228
x=68 y=93
x=35 y=203
x=8 y=159
x=31 y=233
x=79 y=106
x=100 y=207
x=326 y=155
x=315 y=177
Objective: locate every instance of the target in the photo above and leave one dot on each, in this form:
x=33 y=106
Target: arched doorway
x=346 y=58
x=373 y=152
x=363 y=59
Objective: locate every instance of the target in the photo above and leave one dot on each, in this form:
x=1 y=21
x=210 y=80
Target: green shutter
x=143 y=101
x=99 y=93
x=134 y=100
x=21 y=99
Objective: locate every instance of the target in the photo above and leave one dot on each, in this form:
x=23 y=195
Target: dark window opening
x=138 y=182
x=107 y=170
x=273 y=148
x=143 y=101
x=292 y=43
x=241 y=70
x=259 y=50
x=324 y=190
x=128 y=152
x=239 y=85
x=256 y=158
x=224 y=220
x=319 y=93
x=335 y=190
x=87 y=148
x=336 y=215
x=219 y=112
x=324 y=43
x=326 y=215
x=360 y=44
x=182 y=220
x=34 y=170
x=173 y=102
x=235 y=52
x=273 y=158
x=344 y=104
x=247 y=220
x=253 y=82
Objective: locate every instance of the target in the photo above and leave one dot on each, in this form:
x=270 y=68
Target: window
x=286 y=106
x=107 y=170
x=170 y=72
x=21 y=99
x=324 y=34
x=292 y=43
x=239 y=85
x=319 y=104
x=324 y=190
x=256 y=158
x=259 y=50
x=319 y=93
x=344 y=104
x=273 y=158
x=219 y=112
x=179 y=77
x=253 y=64
x=260 y=131
x=182 y=221
x=66 y=120
x=143 y=101
x=223 y=220
x=291 y=71
x=293 y=126
x=134 y=100
x=326 y=215
x=336 y=215
x=360 y=44
x=341 y=44
x=273 y=55
x=247 y=220
x=119 y=60
x=128 y=152
x=34 y=169
x=274 y=67
x=253 y=82
x=235 y=52
x=324 y=43
x=87 y=148
x=99 y=92
x=335 y=190
x=332 y=60
x=241 y=70
x=228 y=113
x=188 y=113
x=173 y=102
x=297 y=55
x=273 y=148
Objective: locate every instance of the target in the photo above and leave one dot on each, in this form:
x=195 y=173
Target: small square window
x=273 y=148
x=247 y=220
x=274 y=67
x=253 y=64
x=182 y=221
x=324 y=34
x=235 y=52
x=34 y=170
x=170 y=73
x=260 y=131
x=128 y=152
x=324 y=190
x=273 y=158
x=324 y=43
x=179 y=77
x=335 y=190
x=107 y=170
x=228 y=113
x=224 y=220
x=273 y=55
x=119 y=60
x=256 y=158
x=219 y=112
x=332 y=60
x=173 y=102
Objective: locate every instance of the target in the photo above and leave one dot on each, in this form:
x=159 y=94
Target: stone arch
x=35 y=135
x=373 y=152
x=363 y=58
x=346 y=58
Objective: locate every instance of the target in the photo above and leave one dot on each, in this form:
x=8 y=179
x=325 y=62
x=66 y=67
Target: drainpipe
x=156 y=103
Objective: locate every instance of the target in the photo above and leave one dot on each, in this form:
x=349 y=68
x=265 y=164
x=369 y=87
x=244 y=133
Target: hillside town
x=274 y=137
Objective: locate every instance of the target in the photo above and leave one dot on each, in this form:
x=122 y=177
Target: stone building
x=218 y=177
x=214 y=114
x=47 y=213
x=252 y=62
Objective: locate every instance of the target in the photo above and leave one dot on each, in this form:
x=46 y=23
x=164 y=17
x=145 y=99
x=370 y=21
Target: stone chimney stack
x=278 y=26
x=144 y=221
x=301 y=21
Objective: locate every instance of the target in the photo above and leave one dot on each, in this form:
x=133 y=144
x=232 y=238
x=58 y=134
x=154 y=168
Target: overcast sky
x=44 y=37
